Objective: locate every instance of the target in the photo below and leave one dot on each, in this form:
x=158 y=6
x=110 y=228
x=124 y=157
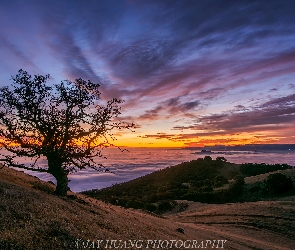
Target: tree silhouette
x=63 y=122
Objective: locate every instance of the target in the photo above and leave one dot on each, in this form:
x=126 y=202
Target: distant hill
x=202 y=180
x=248 y=147
x=172 y=183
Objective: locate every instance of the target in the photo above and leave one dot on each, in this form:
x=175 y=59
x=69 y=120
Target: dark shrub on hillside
x=239 y=180
x=150 y=207
x=202 y=183
x=135 y=204
x=165 y=196
x=166 y=205
x=236 y=188
x=113 y=200
x=278 y=183
x=255 y=189
x=205 y=197
x=122 y=202
x=205 y=189
x=219 y=180
x=182 y=206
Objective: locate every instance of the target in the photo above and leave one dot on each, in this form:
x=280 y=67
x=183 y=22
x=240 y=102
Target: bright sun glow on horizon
x=225 y=140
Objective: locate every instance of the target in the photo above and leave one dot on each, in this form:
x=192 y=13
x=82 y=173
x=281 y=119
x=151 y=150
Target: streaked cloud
x=186 y=69
x=170 y=107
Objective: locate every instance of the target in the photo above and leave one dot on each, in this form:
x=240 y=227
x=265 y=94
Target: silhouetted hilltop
x=202 y=180
x=248 y=147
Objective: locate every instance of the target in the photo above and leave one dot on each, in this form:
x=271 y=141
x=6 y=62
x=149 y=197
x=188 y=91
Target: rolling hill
x=202 y=180
x=33 y=218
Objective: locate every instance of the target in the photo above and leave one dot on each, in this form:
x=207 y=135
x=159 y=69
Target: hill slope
x=32 y=218
x=202 y=180
x=172 y=183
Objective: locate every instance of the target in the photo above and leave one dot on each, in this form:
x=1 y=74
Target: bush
x=182 y=206
x=166 y=205
x=219 y=180
x=278 y=183
x=236 y=188
x=206 y=189
x=122 y=202
x=150 y=207
x=134 y=204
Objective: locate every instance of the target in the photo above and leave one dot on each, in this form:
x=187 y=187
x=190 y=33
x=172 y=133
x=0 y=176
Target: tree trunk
x=55 y=168
x=62 y=184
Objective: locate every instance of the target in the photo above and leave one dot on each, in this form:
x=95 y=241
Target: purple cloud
x=210 y=63
x=272 y=115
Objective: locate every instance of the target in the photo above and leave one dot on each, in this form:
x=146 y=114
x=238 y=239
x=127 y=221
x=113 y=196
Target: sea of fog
x=137 y=162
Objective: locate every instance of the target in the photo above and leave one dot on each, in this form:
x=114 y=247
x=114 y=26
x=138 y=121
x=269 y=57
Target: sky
x=191 y=73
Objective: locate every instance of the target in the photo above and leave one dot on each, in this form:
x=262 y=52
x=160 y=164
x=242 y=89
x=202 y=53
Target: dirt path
x=245 y=226
x=246 y=238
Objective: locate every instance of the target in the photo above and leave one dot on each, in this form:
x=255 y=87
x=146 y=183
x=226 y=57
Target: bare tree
x=62 y=122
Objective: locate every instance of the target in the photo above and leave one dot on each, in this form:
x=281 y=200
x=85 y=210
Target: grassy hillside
x=31 y=217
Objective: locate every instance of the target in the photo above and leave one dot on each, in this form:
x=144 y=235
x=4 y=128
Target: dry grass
x=33 y=218
x=262 y=177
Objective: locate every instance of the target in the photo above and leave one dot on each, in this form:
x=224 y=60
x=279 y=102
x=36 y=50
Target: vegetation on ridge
x=202 y=180
x=251 y=169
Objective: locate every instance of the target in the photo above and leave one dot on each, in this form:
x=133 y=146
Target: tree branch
x=12 y=164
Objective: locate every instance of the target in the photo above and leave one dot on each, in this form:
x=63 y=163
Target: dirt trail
x=254 y=225
x=247 y=238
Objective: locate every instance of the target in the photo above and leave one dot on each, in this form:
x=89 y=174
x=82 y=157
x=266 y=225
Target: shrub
x=278 y=183
x=122 y=202
x=182 y=206
x=150 y=207
x=219 y=180
x=134 y=204
x=206 y=189
x=166 y=205
x=236 y=188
